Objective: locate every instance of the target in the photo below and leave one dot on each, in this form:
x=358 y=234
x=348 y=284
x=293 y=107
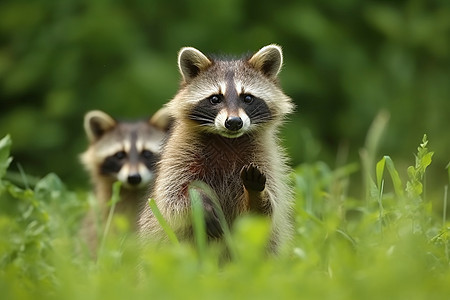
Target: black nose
x=233 y=123
x=134 y=179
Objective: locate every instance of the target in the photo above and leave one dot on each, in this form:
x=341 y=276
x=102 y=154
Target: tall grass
x=388 y=243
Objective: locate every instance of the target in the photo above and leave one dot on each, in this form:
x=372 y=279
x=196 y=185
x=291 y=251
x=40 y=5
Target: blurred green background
x=344 y=62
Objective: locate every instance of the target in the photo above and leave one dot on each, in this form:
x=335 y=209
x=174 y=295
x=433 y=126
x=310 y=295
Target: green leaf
x=398 y=186
x=411 y=172
x=425 y=161
x=50 y=187
x=396 y=181
x=424 y=142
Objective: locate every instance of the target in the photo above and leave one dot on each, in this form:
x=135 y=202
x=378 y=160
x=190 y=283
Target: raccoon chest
x=219 y=163
x=220 y=156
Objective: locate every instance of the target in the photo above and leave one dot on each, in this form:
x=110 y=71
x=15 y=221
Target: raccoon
x=227 y=115
x=125 y=152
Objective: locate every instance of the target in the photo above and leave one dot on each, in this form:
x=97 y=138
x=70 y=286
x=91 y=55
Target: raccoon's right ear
x=191 y=62
x=268 y=60
x=161 y=119
x=96 y=123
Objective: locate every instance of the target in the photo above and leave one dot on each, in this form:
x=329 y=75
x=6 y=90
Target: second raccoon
x=121 y=151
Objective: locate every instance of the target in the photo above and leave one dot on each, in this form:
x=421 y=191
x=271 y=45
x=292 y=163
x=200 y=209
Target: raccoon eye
x=147 y=154
x=248 y=99
x=215 y=99
x=120 y=155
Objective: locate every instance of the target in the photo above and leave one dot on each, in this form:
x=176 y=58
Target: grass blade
x=368 y=153
x=444 y=212
x=198 y=221
x=380 y=171
x=448 y=170
x=215 y=201
x=157 y=213
x=444 y=218
x=115 y=198
x=5 y=159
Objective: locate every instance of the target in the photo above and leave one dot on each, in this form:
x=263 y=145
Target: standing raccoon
x=226 y=118
x=125 y=152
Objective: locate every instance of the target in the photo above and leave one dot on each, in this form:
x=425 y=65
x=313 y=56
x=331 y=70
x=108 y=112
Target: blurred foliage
x=344 y=62
x=390 y=246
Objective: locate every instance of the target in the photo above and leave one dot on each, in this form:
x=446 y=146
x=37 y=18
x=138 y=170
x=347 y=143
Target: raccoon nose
x=134 y=179
x=233 y=123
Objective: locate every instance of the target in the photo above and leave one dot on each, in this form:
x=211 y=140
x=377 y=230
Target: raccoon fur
x=125 y=152
x=227 y=115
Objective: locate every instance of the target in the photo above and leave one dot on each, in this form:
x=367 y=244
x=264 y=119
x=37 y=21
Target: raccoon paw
x=213 y=227
x=253 y=178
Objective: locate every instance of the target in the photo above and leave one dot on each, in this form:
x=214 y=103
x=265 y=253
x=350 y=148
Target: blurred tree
x=344 y=61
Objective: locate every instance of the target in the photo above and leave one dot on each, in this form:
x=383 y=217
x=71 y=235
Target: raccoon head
x=230 y=97
x=124 y=151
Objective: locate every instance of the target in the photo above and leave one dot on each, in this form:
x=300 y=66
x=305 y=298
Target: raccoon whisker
x=259 y=116
x=257 y=110
x=263 y=117
x=199 y=118
x=202 y=119
x=205 y=113
x=202 y=112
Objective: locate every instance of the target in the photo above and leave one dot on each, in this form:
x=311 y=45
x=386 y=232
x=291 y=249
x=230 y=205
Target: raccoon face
x=133 y=168
x=230 y=114
x=231 y=97
x=124 y=151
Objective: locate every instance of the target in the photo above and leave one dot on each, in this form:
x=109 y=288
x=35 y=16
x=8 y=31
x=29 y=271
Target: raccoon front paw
x=253 y=178
x=213 y=227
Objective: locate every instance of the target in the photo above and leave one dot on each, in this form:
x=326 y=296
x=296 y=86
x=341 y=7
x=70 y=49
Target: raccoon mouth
x=133 y=186
x=231 y=134
x=135 y=181
x=224 y=132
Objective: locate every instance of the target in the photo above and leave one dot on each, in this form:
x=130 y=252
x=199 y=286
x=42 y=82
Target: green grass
x=390 y=243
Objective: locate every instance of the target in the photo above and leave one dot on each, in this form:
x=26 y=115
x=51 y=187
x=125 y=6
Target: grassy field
x=390 y=243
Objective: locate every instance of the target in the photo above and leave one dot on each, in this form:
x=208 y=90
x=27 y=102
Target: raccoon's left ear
x=161 y=119
x=97 y=123
x=191 y=62
x=268 y=60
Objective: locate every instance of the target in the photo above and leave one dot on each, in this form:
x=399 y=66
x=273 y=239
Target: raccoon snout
x=134 y=179
x=233 y=123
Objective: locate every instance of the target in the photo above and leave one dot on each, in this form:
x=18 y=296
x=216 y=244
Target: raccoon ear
x=191 y=62
x=268 y=60
x=161 y=119
x=96 y=123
